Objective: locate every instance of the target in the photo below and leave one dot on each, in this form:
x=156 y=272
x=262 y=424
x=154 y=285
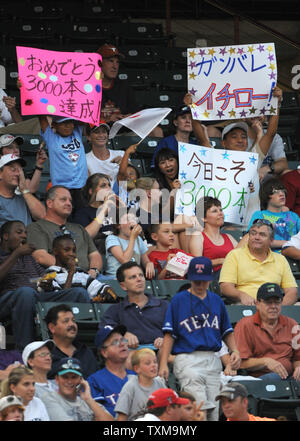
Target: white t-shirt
x=36 y=411
x=148 y=417
x=105 y=166
x=5 y=116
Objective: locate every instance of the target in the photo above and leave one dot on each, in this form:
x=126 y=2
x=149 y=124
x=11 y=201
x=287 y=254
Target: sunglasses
x=260 y=222
x=117 y=342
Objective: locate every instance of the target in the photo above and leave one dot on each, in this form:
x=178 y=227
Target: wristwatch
x=96 y=271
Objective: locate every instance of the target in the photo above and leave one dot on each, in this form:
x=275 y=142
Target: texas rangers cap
x=105 y=332
x=200 y=268
x=232 y=390
x=6 y=159
x=269 y=290
x=165 y=397
x=6 y=140
x=238 y=125
x=108 y=50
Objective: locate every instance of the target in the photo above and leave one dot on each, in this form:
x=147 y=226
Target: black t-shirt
x=122 y=95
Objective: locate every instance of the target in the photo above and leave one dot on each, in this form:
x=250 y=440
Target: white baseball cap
x=31 y=347
x=11 y=400
x=238 y=125
x=10 y=157
x=6 y=140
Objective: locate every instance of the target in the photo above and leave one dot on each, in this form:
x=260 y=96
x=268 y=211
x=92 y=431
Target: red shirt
x=255 y=341
x=159 y=259
x=213 y=251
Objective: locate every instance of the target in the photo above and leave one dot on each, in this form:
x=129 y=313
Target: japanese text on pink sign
x=60 y=83
x=232 y=82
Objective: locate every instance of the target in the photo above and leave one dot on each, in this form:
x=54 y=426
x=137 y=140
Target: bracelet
x=235 y=350
x=99 y=222
x=38 y=168
x=25 y=191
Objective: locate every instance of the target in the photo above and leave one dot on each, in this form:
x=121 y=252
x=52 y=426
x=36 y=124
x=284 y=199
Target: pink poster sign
x=60 y=83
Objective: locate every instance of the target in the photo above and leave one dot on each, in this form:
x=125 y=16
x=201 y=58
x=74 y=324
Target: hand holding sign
x=60 y=83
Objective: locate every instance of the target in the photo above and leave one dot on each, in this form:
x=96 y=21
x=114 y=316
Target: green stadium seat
x=237 y=312
x=167 y=288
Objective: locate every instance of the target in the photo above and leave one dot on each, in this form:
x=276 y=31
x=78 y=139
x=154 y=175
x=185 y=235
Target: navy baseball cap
x=68 y=364
x=200 y=268
x=60 y=119
x=106 y=331
x=182 y=110
x=269 y=290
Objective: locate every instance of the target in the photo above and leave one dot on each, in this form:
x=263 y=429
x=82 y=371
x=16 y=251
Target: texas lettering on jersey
x=197 y=322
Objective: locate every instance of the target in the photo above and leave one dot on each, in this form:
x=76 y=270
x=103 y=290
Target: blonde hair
x=15 y=376
x=145 y=183
x=139 y=354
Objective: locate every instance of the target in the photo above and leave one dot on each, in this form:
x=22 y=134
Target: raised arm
x=266 y=140
x=198 y=128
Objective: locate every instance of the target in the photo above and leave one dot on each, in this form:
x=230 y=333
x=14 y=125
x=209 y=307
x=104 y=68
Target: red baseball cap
x=165 y=397
x=109 y=50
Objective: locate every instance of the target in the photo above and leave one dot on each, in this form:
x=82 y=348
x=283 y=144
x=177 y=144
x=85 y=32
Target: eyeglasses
x=117 y=342
x=278 y=190
x=260 y=222
x=44 y=354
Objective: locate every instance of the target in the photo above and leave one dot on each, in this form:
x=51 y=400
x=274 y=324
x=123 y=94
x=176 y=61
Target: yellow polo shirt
x=248 y=273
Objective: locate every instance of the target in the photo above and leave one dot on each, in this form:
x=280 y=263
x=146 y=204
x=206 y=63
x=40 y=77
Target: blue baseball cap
x=200 y=268
x=106 y=331
x=60 y=119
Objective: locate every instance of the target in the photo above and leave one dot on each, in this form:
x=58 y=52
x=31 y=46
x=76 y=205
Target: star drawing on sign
x=232 y=114
x=271 y=57
x=220 y=113
x=223 y=51
x=201 y=52
x=250 y=49
x=272 y=66
x=192 y=76
x=203 y=152
x=211 y=51
x=192 y=54
x=192 y=64
x=270 y=48
x=273 y=110
x=262 y=111
x=252 y=159
x=225 y=155
x=205 y=114
x=182 y=148
x=243 y=114
x=272 y=75
x=182 y=175
x=253 y=111
x=180 y=209
x=261 y=48
x=192 y=91
x=232 y=50
x=240 y=51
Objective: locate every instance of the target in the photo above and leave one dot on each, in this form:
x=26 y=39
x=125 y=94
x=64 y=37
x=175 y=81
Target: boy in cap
x=163 y=405
x=195 y=324
x=235 y=137
x=234 y=403
x=267 y=340
x=73 y=400
x=68 y=165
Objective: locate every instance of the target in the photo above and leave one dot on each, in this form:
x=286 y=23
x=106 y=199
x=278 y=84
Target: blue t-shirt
x=112 y=264
x=106 y=387
x=196 y=324
x=169 y=142
x=286 y=223
x=67 y=159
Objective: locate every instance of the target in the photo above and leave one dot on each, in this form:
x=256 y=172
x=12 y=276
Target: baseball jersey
x=197 y=324
x=106 y=387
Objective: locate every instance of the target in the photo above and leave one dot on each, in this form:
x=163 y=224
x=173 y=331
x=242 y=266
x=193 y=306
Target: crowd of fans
x=101 y=221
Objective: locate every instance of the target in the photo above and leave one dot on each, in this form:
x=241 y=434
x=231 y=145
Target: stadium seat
x=85 y=317
x=169 y=80
x=168 y=288
x=119 y=291
x=139 y=56
x=173 y=57
x=142 y=33
x=133 y=77
x=272 y=399
x=237 y=312
x=85 y=32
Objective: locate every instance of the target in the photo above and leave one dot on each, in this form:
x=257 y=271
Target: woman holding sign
x=211 y=242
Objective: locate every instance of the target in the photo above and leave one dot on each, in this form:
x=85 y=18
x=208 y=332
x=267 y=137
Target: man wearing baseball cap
x=24 y=206
x=234 y=403
x=163 y=405
x=195 y=325
x=118 y=98
x=72 y=401
x=235 y=137
x=106 y=384
x=269 y=341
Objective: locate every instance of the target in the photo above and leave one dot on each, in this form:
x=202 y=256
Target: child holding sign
x=234 y=137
